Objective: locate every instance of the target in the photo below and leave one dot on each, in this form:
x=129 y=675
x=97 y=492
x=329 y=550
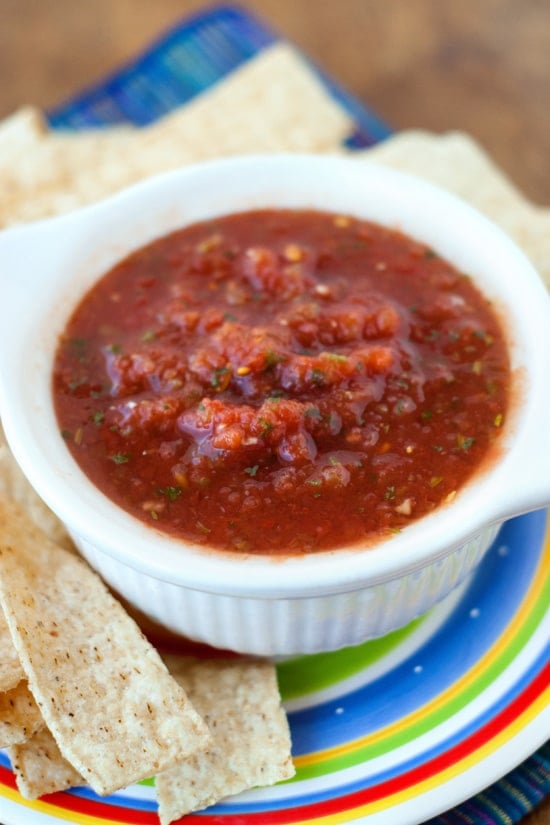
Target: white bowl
x=258 y=604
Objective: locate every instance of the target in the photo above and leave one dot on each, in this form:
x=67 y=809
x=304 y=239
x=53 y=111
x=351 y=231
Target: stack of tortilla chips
x=84 y=697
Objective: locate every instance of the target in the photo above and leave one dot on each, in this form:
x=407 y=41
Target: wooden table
x=482 y=67
x=479 y=66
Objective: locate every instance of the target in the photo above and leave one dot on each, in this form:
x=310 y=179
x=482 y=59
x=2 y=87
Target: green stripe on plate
x=309 y=674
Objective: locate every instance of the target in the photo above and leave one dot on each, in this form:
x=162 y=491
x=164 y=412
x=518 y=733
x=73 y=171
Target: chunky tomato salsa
x=282 y=381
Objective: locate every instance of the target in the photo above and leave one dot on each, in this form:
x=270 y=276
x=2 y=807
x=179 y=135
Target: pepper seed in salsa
x=282 y=381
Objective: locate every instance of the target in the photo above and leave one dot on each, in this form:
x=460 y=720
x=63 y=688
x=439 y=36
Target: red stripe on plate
x=98 y=809
x=7 y=778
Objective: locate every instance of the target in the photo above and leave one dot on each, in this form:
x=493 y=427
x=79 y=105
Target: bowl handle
x=21 y=251
x=28 y=270
x=527 y=472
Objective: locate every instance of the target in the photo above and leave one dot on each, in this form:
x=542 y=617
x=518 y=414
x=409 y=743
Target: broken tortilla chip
x=240 y=701
x=14 y=485
x=104 y=693
x=19 y=715
x=40 y=768
x=20 y=133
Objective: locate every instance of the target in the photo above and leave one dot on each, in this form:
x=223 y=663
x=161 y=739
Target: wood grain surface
x=482 y=66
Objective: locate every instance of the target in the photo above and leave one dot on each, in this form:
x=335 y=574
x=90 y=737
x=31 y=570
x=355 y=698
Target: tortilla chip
x=239 y=699
x=457 y=163
x=273 y=102
x=19 y=715
x=40 y=768
x=20 y=133
x=114 y=710
x=11 y=671
x=534 y=238
x=14 y=485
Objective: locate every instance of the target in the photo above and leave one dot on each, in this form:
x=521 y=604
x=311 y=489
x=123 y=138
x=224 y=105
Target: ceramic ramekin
x=255 y=604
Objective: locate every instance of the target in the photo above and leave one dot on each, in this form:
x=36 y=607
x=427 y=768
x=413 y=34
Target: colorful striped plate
x=398 y=729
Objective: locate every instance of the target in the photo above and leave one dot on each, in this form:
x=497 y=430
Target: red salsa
x=282 y=382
